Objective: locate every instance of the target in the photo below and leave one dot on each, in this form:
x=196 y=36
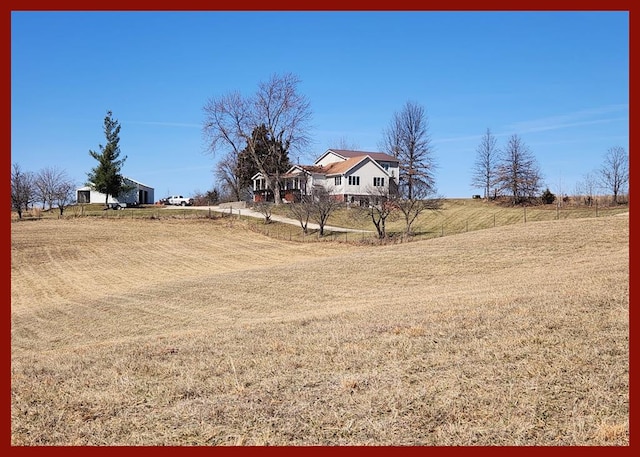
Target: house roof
x=137 y=182
x=334 y=168
x=297 y=169
x=338 y=168
x=90 y=186
x=351 y=159
x=347 y=154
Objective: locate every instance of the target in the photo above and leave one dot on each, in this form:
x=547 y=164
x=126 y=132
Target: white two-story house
x=349 y=176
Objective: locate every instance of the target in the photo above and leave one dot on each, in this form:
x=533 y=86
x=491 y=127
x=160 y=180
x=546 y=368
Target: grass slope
x=198 y=332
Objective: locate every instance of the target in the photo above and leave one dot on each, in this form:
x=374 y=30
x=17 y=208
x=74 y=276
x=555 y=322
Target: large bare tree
x=485 y=167
x=277 y=106
x=407 y=139
x=614 y=174
x=518 y=172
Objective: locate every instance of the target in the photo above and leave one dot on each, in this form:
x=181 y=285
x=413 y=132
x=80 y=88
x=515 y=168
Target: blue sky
x=560 y=80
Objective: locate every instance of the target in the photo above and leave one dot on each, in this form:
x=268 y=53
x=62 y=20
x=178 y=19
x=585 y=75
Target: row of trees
x=50 y=186
x=513 y=170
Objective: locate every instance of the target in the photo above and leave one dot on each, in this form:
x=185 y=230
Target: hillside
x=515 y=335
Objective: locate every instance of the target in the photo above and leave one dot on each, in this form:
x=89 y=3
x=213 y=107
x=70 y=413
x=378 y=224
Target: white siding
x=366 y=171
x=133 y=196
x=329 y=158
x=391 y=168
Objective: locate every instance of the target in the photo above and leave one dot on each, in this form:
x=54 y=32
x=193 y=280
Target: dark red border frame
x=313 y=5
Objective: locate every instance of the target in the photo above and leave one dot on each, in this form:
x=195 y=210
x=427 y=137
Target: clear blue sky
x=560 y=80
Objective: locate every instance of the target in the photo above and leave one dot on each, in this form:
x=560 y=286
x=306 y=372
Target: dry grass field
x=202 y=332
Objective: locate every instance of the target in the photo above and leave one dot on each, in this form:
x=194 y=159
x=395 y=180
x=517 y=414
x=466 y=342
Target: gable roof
x=339 y=168
x=342 y=167
x=347 y=154
x=350 y=160
x=90 y=186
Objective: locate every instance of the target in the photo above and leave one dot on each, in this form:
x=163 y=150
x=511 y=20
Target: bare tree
x=278 y=107
x=587 y=188
x=225 y=173
x=264 y=208
x=485 y=167
x=518 y=172
x=424 y=199
x=382 y=206
x=407 y=139
x=46 y=183
x=614 y=174
x=64 y=193
x=323 y=203
x=22 y=189
x=302 y=211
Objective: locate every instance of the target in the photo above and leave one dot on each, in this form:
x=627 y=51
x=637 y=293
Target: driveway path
x=275 y=217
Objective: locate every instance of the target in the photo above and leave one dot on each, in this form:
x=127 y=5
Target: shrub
x=547 y=197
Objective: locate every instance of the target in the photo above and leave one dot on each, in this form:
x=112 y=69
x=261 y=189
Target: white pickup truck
x=179 y=200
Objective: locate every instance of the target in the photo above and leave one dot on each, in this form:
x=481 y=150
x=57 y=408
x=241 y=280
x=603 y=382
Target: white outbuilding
x=139 y=194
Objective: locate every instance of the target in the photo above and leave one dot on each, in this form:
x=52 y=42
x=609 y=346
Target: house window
x=378 y=182
x=337 y=180
x=354 y=180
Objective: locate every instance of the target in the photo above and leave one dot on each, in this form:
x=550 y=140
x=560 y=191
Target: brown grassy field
x=202 y=332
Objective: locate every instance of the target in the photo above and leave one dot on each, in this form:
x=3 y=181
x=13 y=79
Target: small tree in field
x=382 y=206
x=423 y=199
x=64 y=194
x=322 y=205
x=264 y=208
x=587 y=188
x=302 y=211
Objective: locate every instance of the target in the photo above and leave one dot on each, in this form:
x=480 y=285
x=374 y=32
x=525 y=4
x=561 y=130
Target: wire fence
x=430 y=225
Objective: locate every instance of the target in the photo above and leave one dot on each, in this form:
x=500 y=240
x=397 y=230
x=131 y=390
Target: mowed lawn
x=201 y=332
